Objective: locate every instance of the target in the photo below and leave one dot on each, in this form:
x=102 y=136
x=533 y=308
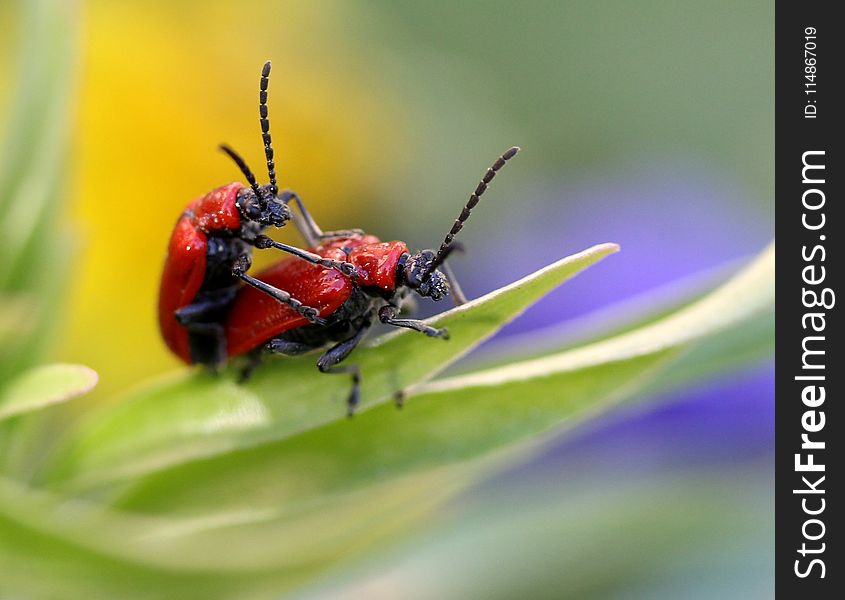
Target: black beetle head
x=265 y=211
x=418 y=276
x=258 y=204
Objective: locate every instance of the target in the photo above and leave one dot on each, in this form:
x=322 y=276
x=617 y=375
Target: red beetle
x=214 y=231
x=294 y=307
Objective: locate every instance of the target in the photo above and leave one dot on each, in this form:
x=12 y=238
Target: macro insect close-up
x=236 y=238
x=346 y=279
x=310 y=306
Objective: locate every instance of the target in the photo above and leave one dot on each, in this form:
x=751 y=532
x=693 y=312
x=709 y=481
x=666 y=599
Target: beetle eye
x=253 y=211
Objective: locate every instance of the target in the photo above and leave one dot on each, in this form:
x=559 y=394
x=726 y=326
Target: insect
x=294 y=307
x=212 y=234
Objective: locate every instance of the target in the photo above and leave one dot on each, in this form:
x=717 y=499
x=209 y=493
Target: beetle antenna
x=446 y=247
x=243 y=167
x=265 y=128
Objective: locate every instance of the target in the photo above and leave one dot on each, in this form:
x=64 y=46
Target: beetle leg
x=206 y=336
x=341 y=233
x=274 y=346
x=387 y=314
x=262 y=242
x=309 y=312
x=457 y=293
x=304 y=222
x=253 y=361
x=208 y=304
x=329 y=360
x=207 y=344
x=308 y=227
x=280 y=346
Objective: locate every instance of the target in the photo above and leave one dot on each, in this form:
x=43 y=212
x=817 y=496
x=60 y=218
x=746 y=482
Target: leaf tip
x=46 y=385
x=77 y=380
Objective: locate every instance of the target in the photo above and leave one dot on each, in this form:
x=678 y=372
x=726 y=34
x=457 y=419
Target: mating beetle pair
x=210 y=309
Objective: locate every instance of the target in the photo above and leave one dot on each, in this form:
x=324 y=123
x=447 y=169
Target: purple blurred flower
x=719 y=423
x=671 y=220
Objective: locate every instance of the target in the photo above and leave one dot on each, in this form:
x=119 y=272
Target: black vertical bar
x=810 y=367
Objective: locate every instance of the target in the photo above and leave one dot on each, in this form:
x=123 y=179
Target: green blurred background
x=646 y=123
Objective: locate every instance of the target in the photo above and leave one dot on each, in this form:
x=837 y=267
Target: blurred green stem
x=32 y=168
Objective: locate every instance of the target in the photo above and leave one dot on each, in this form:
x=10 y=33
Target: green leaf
x=32 y=174
x=43 y=386
x=455 y=431
x=191 y=415
x=58 y=548
x=487 y=548
x=279 y=513
x=609 y=321
x=745 y=296
x=387 y=470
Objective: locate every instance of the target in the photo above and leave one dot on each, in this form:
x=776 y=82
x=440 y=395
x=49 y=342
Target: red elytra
x=256 y=317
x=185 y=264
